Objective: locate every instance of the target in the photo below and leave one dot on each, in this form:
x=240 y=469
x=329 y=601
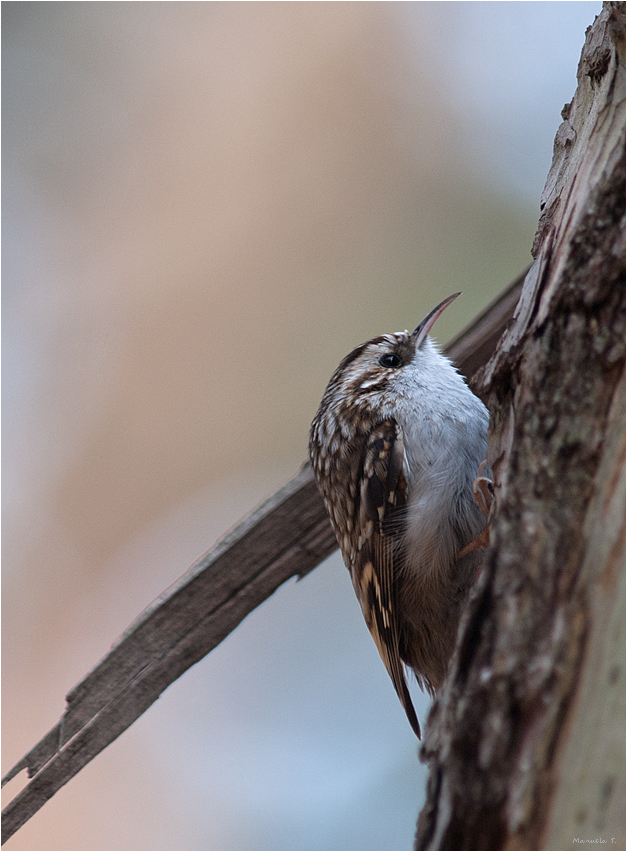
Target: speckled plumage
x=395 y=447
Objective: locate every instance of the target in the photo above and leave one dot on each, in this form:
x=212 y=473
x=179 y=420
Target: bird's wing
x=382 y=499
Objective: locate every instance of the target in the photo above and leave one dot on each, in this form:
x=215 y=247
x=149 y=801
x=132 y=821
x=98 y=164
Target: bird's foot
x=483 y=491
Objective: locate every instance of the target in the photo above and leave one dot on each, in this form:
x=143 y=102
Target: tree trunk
x=526 y=739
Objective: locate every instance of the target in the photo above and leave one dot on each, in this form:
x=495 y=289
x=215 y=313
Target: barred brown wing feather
x=382 y=498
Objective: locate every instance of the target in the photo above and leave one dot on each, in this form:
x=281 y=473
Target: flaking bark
x=526 y=739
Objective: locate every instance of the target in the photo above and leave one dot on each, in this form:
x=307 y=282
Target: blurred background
x=206 y=206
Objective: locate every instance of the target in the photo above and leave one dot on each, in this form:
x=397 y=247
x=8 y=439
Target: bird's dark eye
x=390 y=360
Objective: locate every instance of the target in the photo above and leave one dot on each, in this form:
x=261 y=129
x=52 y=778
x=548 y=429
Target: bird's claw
x=483 y=491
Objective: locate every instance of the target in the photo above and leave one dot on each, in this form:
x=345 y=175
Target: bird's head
x=391 y=364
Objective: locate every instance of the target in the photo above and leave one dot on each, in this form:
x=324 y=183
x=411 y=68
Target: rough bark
x=526 y=739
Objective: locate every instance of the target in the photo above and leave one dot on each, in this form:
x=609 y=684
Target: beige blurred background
x=206 y=205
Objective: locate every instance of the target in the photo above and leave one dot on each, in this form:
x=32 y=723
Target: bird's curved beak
x=423 y=328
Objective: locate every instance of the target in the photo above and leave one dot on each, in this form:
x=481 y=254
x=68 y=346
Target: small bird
x=396 y=447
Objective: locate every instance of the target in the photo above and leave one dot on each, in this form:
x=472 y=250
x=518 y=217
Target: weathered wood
x=474 y=345
x=526 y=739
x=287 y=536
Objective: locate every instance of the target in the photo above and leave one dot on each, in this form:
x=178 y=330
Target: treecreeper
x=396 y=447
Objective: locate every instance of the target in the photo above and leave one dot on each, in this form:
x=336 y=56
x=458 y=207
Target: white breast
x=444 y=430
